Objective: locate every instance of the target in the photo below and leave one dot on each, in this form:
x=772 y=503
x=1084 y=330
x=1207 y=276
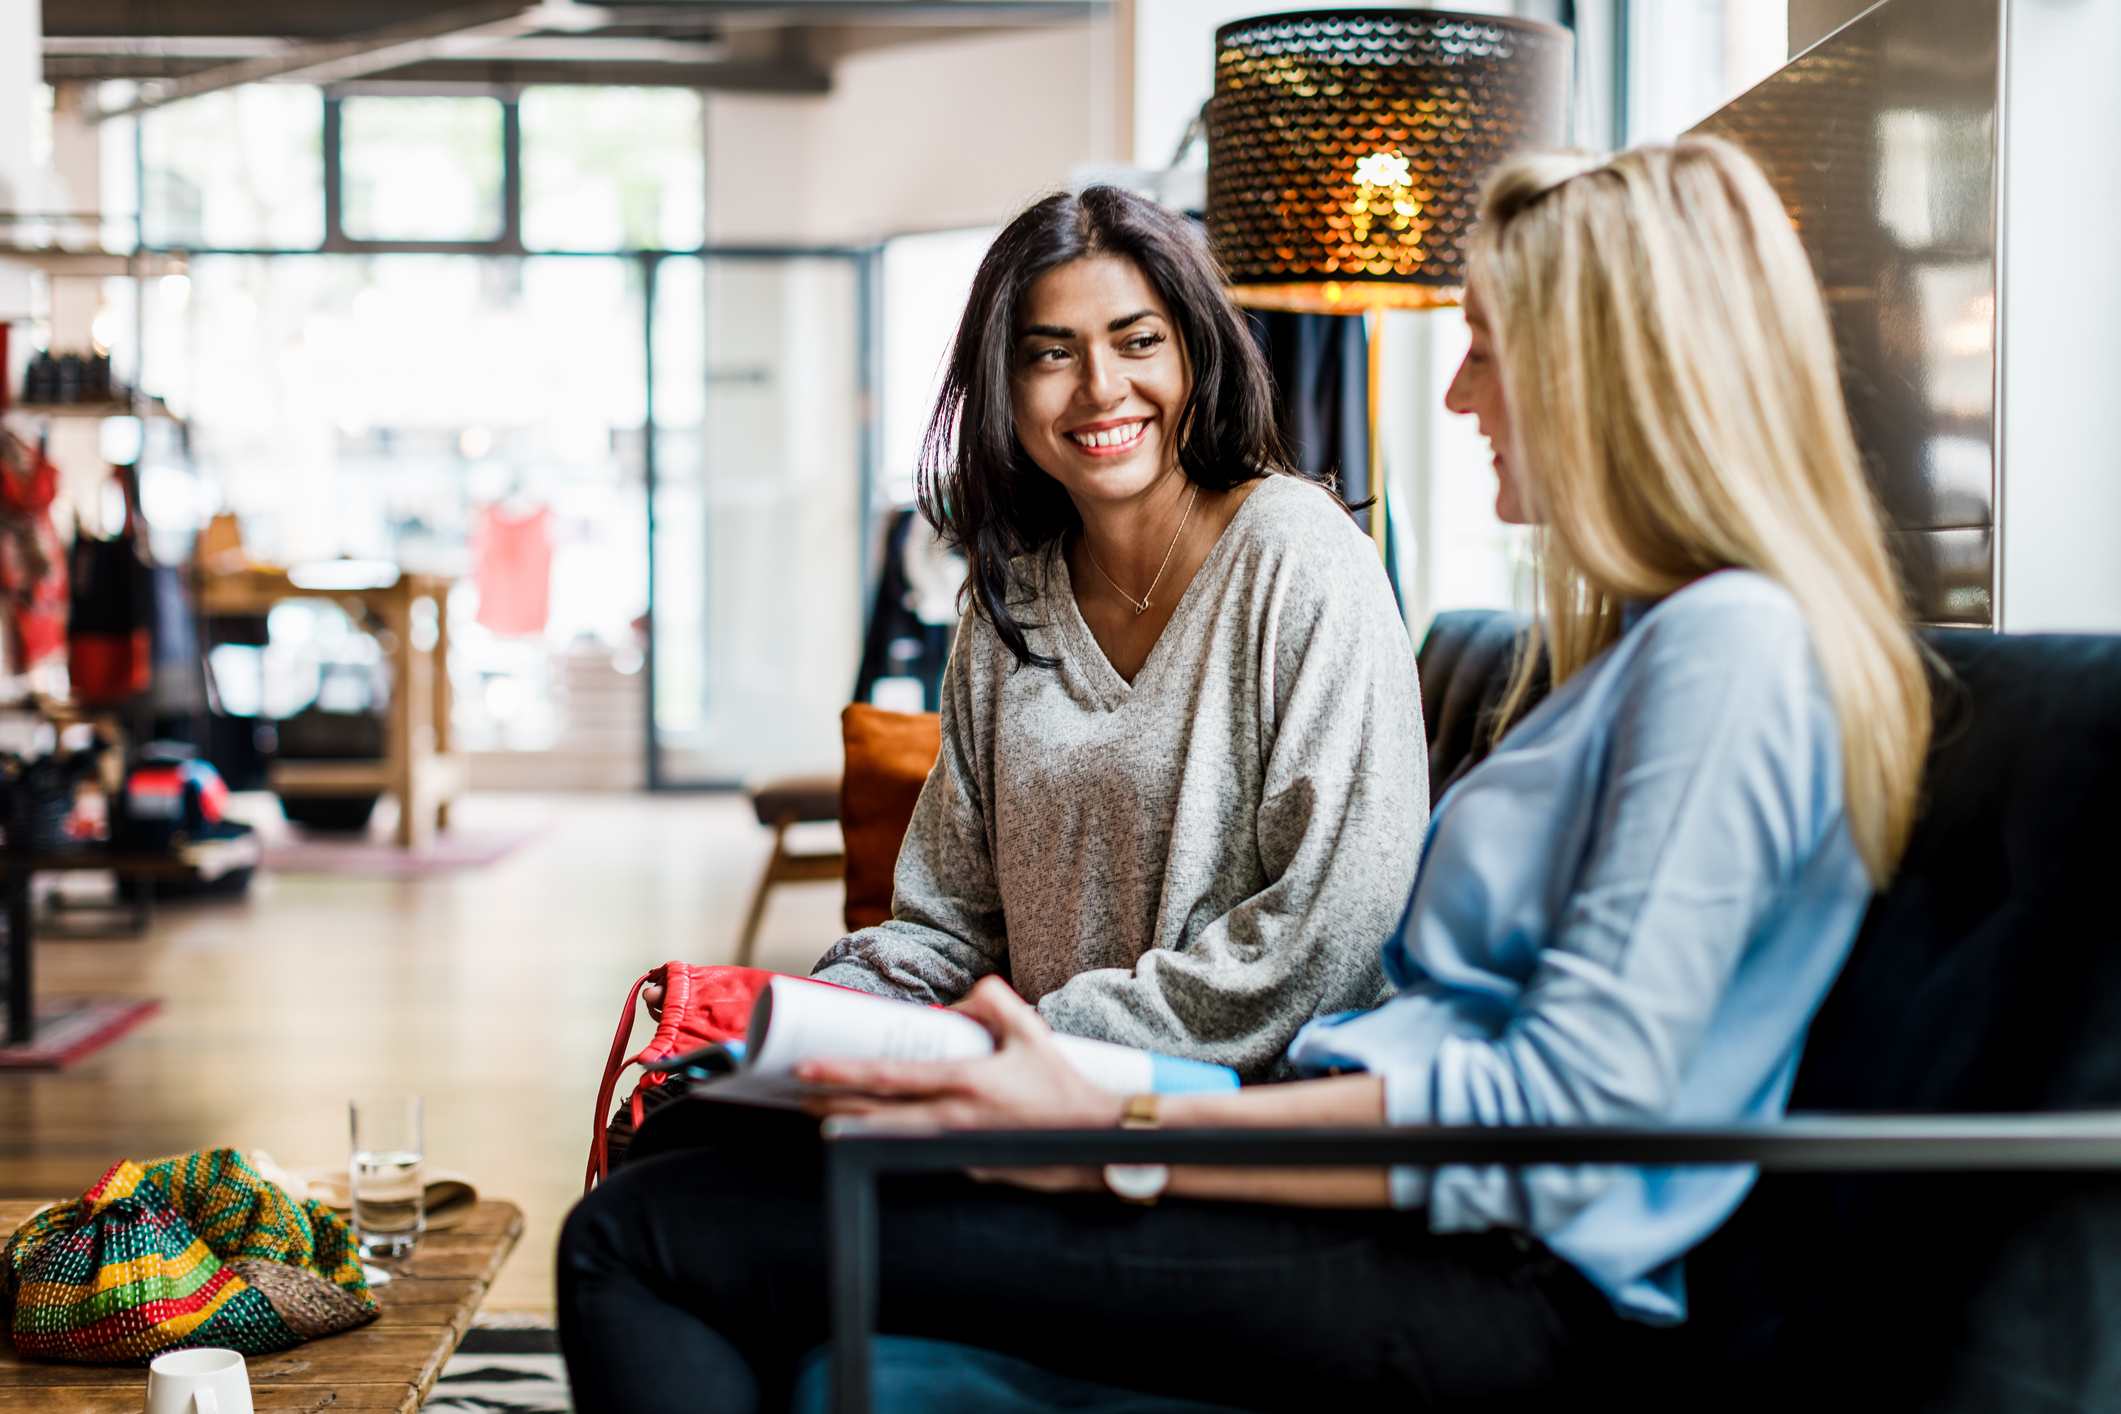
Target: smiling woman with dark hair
x=1002 y=488
x=1183 y=776
x=1183 y=770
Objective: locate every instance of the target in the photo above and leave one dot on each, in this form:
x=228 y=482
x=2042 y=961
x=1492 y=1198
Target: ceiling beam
x=926 y=14
x=317 y=19
x=346 y=19
x=764 y=76
x=771 y=76
x=189 y=56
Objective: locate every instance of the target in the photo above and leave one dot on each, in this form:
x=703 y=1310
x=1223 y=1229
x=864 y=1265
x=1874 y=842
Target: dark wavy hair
x=977 y=485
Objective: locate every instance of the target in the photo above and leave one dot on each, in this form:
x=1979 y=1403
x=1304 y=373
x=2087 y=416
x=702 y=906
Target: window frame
x=338 y=241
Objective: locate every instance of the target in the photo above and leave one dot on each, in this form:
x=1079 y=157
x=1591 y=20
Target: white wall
x=959 y=132
x=2058 y=422
x=1173 y=68
x=21 y=71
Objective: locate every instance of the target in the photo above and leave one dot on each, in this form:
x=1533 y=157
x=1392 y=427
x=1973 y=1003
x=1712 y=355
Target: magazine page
x=795 y=1021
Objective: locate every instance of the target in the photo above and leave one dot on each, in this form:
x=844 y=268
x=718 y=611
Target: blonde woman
x=1627 y=914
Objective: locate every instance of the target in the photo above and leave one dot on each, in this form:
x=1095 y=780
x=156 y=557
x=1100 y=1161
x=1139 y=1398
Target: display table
x=389 y=1364
x=419 y=767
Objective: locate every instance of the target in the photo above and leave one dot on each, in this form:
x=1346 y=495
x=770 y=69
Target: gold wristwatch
x=1138 y=1183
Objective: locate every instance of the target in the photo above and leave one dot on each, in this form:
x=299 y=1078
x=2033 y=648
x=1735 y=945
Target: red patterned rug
x=69 y=1028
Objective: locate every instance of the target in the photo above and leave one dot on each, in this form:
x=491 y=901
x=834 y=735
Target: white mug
x=198 y=1382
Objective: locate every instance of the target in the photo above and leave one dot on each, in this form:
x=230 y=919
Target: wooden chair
x=780 y=805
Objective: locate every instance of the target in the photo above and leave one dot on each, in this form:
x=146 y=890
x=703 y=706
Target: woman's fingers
x=652 y=998
x=996 y=1006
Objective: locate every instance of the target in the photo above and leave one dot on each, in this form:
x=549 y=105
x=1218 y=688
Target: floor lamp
x=1345 y=154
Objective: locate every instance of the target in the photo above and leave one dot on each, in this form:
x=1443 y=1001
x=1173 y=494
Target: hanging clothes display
x=110 y=633
x=915 y=613
x=32 y=557
x=511 y=559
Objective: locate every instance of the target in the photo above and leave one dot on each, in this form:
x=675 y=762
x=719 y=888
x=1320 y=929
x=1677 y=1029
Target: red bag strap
x=676 y=978
x=599 y=1162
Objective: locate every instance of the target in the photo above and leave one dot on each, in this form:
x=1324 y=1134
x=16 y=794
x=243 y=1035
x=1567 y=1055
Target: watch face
x=1138 y=1183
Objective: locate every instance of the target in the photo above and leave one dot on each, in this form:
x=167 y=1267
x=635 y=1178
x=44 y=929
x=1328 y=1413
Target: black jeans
x=695 y=1279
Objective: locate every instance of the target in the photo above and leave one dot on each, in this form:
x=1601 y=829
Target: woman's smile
x=1111 y=438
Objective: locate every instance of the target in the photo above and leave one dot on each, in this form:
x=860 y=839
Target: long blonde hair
x=1676 y=410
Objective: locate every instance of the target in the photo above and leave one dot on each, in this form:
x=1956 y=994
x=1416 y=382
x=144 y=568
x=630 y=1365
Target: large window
x=373 y=359
x=601 y=170
x=610 y=169
x=242 y=169
x=421 y=169
x=926 y=280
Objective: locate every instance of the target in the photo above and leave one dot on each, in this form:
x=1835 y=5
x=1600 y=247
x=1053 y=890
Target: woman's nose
x=1455 y=396
x=1103 y=384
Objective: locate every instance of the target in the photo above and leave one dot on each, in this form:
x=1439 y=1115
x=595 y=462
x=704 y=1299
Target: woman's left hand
x=1025 y=1084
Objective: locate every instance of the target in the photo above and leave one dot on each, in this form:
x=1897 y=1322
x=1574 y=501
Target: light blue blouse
x=1627 y=914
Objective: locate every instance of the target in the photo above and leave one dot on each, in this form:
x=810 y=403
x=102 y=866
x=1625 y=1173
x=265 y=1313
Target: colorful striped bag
x=197 y=1250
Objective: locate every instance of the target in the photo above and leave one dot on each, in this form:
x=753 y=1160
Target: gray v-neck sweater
x=1196 y=863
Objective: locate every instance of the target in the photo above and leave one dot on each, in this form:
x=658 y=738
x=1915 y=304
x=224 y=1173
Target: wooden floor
x=493 y=992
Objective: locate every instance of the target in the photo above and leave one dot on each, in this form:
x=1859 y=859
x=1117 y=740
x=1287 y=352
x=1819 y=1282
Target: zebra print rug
x=503 y=1368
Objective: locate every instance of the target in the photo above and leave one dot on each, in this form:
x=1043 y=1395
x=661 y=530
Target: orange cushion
x=889 y=755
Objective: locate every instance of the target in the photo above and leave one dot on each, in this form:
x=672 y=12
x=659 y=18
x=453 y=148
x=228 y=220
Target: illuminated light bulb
x=1384 y=169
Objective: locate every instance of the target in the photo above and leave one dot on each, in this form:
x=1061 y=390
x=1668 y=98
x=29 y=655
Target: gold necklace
x=1141 y=605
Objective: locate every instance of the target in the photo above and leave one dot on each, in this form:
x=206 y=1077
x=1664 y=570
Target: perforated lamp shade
x=1346 y=148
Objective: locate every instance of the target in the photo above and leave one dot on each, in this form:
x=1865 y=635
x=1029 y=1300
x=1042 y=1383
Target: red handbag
x=702 y=1006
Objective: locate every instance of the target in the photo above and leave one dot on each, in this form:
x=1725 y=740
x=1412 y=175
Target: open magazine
x=796 y=1020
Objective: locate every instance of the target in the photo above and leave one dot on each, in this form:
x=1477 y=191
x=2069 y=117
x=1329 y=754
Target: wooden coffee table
x=390 y=1363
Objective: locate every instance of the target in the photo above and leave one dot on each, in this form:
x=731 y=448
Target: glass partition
x=759 y=419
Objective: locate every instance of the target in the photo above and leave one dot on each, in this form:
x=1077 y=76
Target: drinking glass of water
x=385 y=1174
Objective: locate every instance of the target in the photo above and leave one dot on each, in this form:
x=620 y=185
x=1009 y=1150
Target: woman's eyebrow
x=1058 y=331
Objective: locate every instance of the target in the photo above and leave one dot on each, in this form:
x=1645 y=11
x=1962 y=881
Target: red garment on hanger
x=512 y=566
x=32 y=557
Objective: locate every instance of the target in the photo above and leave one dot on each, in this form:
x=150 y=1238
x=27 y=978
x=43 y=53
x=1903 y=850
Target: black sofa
x=1986 y=980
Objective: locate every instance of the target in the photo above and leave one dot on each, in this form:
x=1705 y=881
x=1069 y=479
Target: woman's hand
x=1025 y=1084
x=652 y=998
